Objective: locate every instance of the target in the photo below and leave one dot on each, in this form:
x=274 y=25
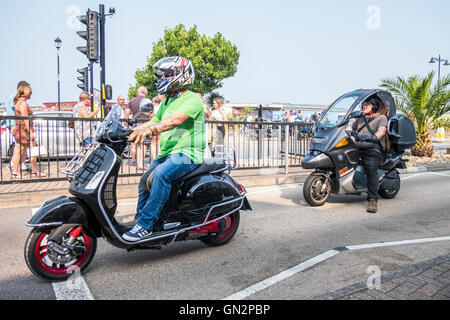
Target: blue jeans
x=151 y=203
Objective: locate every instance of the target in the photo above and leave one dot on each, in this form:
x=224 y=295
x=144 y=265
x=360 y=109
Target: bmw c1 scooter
x=203 y=205
x=335 y=158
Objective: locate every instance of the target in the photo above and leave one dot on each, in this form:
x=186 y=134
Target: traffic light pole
x=91 y=84
x=102 y=59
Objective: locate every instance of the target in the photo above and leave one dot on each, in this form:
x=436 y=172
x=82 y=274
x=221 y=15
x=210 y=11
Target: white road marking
x=396 y=243
x=439 y=174
x=316 y=260
x=409 y=177
x=274 y=189
x=75 y=288
x=281 y=276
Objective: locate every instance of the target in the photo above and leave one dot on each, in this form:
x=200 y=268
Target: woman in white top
x=218 y=114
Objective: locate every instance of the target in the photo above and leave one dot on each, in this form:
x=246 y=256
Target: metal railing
x=59 y=139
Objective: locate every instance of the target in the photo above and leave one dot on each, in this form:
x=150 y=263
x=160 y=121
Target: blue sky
x=291 y=51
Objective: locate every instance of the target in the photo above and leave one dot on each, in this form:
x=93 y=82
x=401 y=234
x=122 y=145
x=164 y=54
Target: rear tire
x=38 y=260
x=228 y=234
x=314 y=191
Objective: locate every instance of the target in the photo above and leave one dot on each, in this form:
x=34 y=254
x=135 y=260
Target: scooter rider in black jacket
x=370 y=134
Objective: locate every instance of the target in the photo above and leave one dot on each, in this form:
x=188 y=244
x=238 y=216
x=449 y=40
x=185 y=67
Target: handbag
x=38 y=151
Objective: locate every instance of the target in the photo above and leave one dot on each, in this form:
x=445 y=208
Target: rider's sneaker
x=136 y=234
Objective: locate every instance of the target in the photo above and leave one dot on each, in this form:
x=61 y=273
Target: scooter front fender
x=58 y=211
x=315 y=162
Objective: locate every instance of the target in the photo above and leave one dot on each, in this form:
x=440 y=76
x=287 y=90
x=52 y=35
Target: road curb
x=35 y=198
x=362 y=286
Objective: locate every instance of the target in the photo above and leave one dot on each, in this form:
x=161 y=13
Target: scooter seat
x=210 y=165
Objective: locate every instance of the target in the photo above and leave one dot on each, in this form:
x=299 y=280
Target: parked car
x=55 y=135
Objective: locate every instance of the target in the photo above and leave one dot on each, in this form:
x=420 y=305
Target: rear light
x=2 y=131
x=241 y=187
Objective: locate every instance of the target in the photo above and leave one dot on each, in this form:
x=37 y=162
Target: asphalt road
x=281 y=233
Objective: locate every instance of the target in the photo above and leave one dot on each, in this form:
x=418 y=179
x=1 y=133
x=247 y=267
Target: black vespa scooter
x=335 y=158
x=203 y=205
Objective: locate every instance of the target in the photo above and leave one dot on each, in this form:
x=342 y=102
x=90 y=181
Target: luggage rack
x=79 y=160
x=227 y=153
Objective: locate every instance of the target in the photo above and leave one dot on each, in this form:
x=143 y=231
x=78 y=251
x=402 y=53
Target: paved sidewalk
x=429 y=280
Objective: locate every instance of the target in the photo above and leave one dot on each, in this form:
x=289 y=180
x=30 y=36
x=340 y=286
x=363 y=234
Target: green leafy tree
x=425 y=104
x=214 y=59
x=213 y=95
x=248 y=110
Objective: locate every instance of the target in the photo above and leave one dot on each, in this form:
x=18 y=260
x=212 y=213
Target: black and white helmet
x=173 y=74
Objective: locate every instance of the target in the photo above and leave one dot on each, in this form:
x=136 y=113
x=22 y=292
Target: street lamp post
x=439 y=60
x=58 y=46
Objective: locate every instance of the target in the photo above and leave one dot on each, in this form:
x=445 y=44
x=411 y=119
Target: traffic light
x=91 y=50
x=84 y=85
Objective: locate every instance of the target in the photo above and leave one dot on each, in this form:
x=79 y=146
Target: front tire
x=317 y=189
x=227 y=234
x=40 y=260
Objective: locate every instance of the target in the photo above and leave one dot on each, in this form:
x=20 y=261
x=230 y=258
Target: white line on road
x=396 y=243
x=281 y=276
x=316 y=260
x=409 y=177
x=439 y=174
x=274 y=189
x=75 y=288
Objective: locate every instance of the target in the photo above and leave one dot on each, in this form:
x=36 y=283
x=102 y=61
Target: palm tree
x=416 y=98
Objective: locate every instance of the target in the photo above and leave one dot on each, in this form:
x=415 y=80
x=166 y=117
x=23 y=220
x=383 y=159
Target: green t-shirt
x=188 y=138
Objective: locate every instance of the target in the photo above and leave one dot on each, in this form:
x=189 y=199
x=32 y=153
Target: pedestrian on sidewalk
x=138 y=151
x=10 y=124
x=23 y=131
x=219 y=114
x=121 y=109
x=84 y=130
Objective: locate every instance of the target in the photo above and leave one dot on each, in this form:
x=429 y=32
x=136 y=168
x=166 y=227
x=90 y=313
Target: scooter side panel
x=203 y=191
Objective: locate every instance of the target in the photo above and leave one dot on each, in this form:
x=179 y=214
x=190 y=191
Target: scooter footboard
x=61 y=210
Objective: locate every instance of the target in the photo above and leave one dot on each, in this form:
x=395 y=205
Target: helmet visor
x=164 y=73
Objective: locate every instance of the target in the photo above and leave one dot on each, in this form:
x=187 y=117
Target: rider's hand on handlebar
x=366 y=138
x=138 y=136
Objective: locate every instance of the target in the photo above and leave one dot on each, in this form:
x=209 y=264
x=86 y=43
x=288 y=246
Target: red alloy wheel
x=44 y=262
x=227 y=234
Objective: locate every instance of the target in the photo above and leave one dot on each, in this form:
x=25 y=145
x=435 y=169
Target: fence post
x=286 y=149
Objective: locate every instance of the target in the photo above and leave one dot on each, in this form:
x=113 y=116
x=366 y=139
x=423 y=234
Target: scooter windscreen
x=111 y=130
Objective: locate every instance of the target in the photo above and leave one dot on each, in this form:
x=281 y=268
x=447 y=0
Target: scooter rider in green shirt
x=180 y=121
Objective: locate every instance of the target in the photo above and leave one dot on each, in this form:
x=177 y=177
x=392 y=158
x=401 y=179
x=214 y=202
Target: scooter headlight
x=317 y=140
